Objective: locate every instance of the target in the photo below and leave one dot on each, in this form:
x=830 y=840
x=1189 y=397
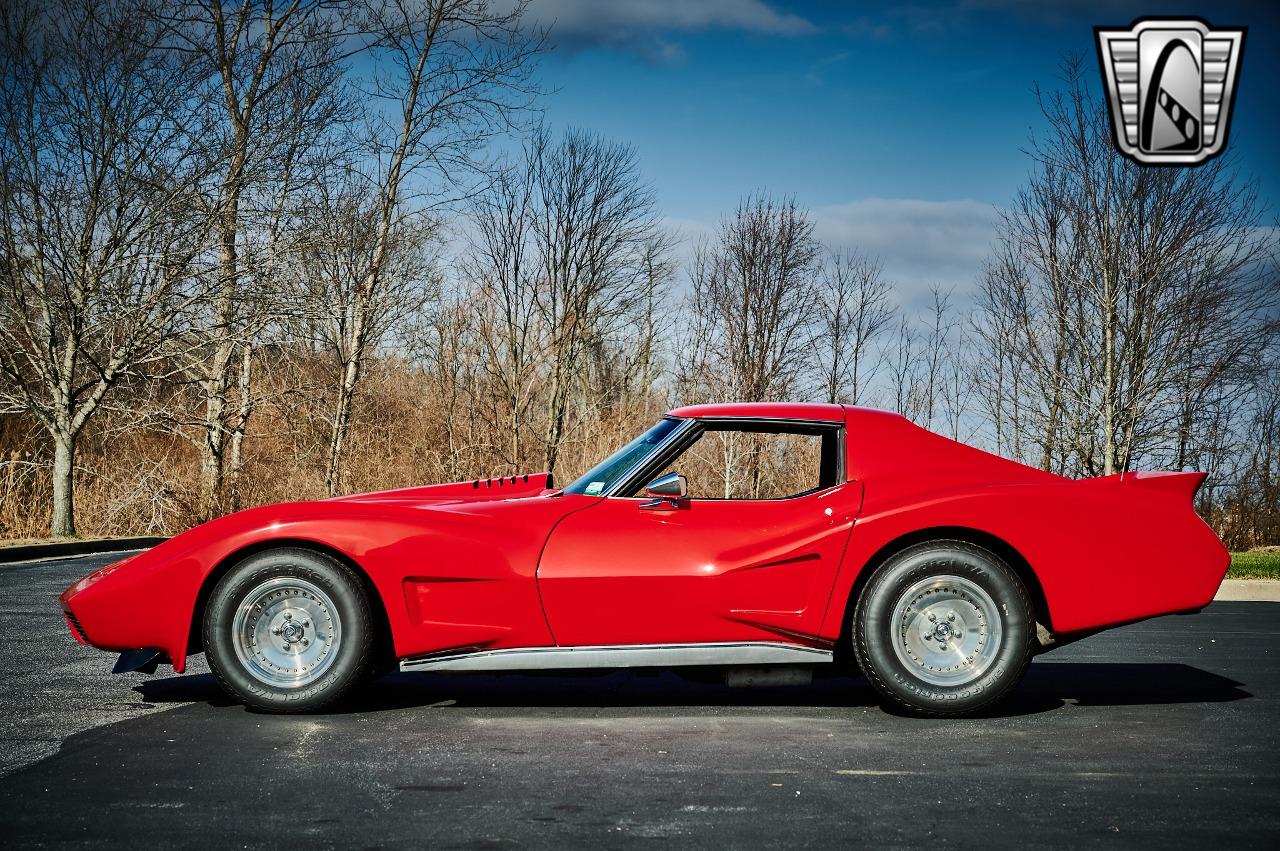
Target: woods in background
x=270 y=252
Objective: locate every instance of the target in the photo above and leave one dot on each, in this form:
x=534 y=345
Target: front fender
x=447 y=575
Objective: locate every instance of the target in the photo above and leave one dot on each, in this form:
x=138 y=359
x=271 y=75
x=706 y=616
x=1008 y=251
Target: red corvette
x=801 y=534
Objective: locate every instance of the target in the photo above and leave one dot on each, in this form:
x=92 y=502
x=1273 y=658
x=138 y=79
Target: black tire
x=249 y=655
x=907 y=599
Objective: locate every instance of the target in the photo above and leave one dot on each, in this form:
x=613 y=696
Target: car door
x=704 y=570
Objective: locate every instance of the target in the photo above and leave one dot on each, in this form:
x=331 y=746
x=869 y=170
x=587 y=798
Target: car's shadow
x=1046 y=687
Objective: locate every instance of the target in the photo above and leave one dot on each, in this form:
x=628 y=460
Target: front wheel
x=288 y=630
x=944 y=628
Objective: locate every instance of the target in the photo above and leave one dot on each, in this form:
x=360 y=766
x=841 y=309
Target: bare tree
x=957 y=383
x=653 y=313
x=502 y=266
x=755 y=287
x=904 y=369
x=270 y=71
x=937 y=353
x=452 y=358
x=95 y=216
x=853 y=299
x=459 y=75
x=347 y=317
x=1249 y=511
x=754 y=297
x=1000 y=375
x=1135 y=292
x=595 y=227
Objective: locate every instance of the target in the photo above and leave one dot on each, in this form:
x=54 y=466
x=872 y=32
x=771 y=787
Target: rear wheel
x=944 y=628
x=288 y=630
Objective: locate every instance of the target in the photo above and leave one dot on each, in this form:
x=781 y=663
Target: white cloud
x=642 y=26
x=921 y=243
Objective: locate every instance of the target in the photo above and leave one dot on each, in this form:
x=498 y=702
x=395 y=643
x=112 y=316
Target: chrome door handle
x=662 y=505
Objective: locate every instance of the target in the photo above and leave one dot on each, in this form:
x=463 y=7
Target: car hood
x=476 y=490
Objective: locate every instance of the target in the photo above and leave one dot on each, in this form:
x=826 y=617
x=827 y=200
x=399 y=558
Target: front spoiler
x=143 y=661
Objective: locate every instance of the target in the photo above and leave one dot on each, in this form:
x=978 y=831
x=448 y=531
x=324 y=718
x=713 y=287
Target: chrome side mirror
x=670 y=486
x=667 y=491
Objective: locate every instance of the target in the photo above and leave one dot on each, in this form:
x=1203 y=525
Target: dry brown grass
x=140 y=481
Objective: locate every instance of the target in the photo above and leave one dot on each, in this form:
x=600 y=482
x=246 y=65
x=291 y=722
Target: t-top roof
x=811 y=411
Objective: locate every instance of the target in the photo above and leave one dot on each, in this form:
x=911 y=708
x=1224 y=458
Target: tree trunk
x=555 y=414
x=517 y=458
x=216 y=382
x=1109 y=381
x=341 y=425
x=756 y=471
x=63 y=522
x=235 y=458
x=211 y=458
x=854 y=364
x=730 y=440
x=365 y=293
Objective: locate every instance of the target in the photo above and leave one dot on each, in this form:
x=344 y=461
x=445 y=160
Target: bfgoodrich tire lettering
x=943 y=628
x=288 y=630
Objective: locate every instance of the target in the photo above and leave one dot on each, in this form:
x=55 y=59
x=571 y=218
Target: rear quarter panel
x=1103 y=556
x=1105 y=551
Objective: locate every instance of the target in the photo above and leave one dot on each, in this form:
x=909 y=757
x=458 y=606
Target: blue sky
x=902 y=127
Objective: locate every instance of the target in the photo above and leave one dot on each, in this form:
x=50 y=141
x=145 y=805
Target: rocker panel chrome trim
x=621 y=656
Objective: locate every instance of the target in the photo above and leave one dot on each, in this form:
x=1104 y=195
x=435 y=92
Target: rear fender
x=1103 y=552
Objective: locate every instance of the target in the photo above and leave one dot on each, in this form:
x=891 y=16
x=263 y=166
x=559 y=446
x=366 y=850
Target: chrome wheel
x=286 y=632
x=946 y=630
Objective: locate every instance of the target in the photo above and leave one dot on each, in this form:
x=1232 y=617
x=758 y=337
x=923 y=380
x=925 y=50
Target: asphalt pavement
x=1162 y=734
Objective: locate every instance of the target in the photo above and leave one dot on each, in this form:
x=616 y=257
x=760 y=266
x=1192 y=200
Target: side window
x=742 y=462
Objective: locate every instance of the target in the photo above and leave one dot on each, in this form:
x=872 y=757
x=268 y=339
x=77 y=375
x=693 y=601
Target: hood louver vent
x=501 y=481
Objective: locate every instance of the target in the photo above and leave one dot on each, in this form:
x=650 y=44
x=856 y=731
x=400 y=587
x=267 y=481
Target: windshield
x=606 y=474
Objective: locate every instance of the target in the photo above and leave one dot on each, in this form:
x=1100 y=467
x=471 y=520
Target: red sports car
x=793 y=534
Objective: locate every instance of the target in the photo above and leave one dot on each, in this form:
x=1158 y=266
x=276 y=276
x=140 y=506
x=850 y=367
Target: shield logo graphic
x=1170 y=84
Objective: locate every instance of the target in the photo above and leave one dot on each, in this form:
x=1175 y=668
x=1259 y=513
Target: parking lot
x=1162 y=734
